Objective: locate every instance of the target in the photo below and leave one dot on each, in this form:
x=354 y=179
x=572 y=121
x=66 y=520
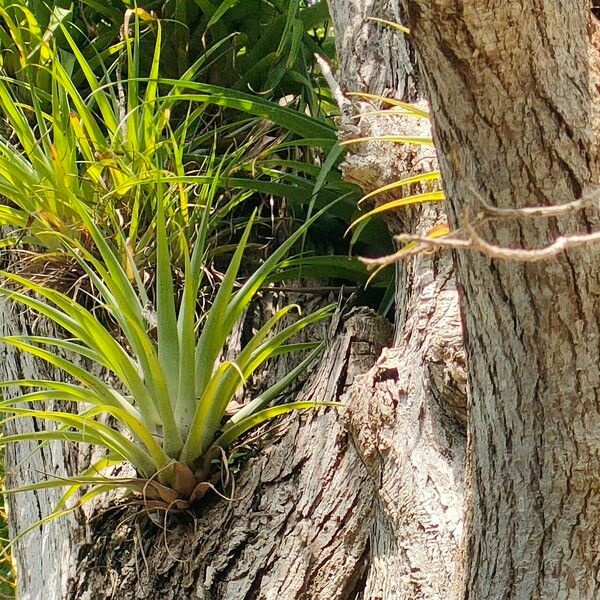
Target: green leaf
x=394 y=204
x=275 y=390
x=168 y=341
x=214 y=334
x=234 y=432
x=291 y=120
x=423 y=178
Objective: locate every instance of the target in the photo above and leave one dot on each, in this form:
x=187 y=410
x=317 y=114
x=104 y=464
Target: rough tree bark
x=372 y=508
x=514 y=92
x=367 y=504
x=407 y=416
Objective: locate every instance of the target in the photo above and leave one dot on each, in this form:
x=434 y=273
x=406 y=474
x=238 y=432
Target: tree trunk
x=367 y=504
x=408 y=416
x=514 y=92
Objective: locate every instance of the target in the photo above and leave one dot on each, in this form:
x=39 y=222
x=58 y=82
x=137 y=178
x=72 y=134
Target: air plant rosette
x=174 y=389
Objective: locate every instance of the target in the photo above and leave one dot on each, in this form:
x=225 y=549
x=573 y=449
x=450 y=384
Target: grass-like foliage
x=108 y=138
x=106 y=141
x=121 y=167
x=174 y=387
x=265 y=46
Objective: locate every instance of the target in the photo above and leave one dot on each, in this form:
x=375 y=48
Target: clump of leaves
x=106 y=140
x=171 y=404
x=264 y=46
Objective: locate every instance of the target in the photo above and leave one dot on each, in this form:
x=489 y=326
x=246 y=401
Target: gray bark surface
x=514 y=92
x=412 y=442
x=372 y=56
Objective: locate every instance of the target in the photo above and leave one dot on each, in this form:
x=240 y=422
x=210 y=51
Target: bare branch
x=590 y=198
x=342 y=101
x=476 y=243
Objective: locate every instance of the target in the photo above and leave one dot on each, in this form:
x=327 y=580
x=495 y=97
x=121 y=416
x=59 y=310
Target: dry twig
x=473 y=241
x=467 y=238
x=342 y=101
x=590 y=198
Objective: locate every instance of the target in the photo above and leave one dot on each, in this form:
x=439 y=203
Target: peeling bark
x=372 y=56
x=413 y=445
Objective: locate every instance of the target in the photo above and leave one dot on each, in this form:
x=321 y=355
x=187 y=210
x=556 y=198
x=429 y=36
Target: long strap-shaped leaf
x=78 y=321
x=201 y=435
x=416 y=199
x=71 y=393
x=186 y=323
x=68 y=346
x=292 y=120
x=243 y=297
x=46 y=390
x=127 y=309
x=106 y=393
x=275 y=390
x=166 y=318
x=421 y=178
x=214 y=334
x=147 y=461
x=82 y=437
x=212 y=406
x=92 y=472
x=99 y=95
x=78 y=480
x=234 y=432
x=132 y=326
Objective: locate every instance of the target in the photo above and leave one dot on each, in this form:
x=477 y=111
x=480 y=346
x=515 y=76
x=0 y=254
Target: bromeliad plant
x=171 y=404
